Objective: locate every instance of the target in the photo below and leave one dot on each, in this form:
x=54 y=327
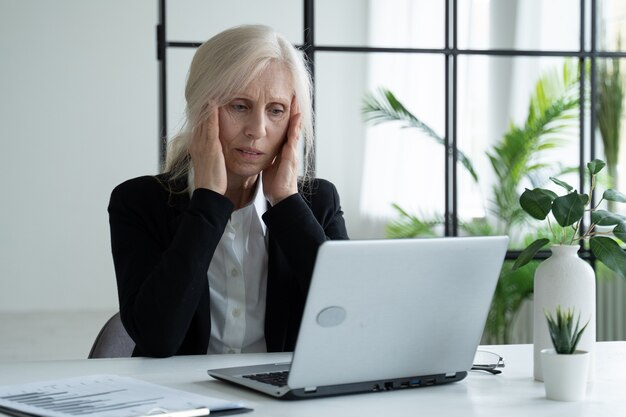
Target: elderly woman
x=216 y=254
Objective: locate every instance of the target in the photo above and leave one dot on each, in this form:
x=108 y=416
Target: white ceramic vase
x=566 y=280
x=565 y=376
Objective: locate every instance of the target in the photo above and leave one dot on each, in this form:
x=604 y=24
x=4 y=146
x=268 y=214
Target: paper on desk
x=103 y=396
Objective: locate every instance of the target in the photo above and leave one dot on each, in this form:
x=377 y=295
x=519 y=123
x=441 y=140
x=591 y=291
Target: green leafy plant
x=516 y=157
x=611 y=91
x=568 y=210
x=552 y=113
x=382 y=106
x=564 y=335
x=397 y=229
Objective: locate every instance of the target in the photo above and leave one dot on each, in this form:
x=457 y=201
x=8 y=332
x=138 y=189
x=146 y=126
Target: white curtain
x=405 y=166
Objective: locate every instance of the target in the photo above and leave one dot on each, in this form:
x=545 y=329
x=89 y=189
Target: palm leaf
x=552 y=118
x=553 y=110
x=609 y=108
x=383 y=106
x=512 y=289
x=408 y=225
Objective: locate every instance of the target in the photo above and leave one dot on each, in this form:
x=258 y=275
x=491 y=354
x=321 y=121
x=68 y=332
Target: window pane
x=611 y=25
x=519 y=24
x=383 y=23
x=198 y=20
x=376 y=166
x=510 y=149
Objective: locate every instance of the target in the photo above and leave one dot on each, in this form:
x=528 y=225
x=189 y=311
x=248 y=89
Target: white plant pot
x=565 y=376
x=566 y=280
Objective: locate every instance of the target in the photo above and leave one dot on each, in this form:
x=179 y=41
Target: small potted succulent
x=565 y=369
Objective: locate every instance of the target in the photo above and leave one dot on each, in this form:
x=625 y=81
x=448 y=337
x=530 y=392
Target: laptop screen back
x=380 y=309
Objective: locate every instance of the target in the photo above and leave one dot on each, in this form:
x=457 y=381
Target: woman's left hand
x=280 y=179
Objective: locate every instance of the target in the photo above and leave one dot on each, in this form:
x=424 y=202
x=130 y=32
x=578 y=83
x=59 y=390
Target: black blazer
x=163 y=242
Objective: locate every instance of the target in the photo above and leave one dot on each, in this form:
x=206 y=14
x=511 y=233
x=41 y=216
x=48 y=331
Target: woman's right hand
x=207 y=156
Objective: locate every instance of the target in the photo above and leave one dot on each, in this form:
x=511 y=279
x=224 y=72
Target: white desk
x=512 y=393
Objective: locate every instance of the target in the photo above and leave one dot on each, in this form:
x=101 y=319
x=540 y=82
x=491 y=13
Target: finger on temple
x=294 y=126
x=212 y=121
x=295 y=108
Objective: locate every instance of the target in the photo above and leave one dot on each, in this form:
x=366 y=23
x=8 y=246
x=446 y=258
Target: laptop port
x=415 y=382
x=429 y=381
x=310 y=390
x=388 y=386
x=404 y=384
x=376 y=388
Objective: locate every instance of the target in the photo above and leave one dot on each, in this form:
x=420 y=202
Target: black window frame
x=585 y=56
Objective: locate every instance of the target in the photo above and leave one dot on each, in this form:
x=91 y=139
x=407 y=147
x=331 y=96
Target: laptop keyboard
x=278 y=379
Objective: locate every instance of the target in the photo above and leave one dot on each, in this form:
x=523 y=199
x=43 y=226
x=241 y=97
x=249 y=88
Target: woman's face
x=253 y=124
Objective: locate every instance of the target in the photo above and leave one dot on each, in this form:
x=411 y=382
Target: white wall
x=78 y=115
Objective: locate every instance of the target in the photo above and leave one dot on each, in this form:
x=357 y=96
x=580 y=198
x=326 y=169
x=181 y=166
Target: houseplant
x=514 y=159
x=565 y=368
x=568 y=211
x=564 y=278
x=611 y=91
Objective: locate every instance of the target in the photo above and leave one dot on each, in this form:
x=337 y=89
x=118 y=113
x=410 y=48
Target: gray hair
x=225 y=63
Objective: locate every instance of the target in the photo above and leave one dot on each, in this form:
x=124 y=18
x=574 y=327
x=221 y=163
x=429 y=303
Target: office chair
x=112 y=341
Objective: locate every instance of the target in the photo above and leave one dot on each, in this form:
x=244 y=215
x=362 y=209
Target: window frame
x=587 y=56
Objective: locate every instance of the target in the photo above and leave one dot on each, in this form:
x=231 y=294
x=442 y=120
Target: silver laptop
x=384 y=315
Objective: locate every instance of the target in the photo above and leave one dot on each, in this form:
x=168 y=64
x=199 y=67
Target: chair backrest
x=112 y=341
